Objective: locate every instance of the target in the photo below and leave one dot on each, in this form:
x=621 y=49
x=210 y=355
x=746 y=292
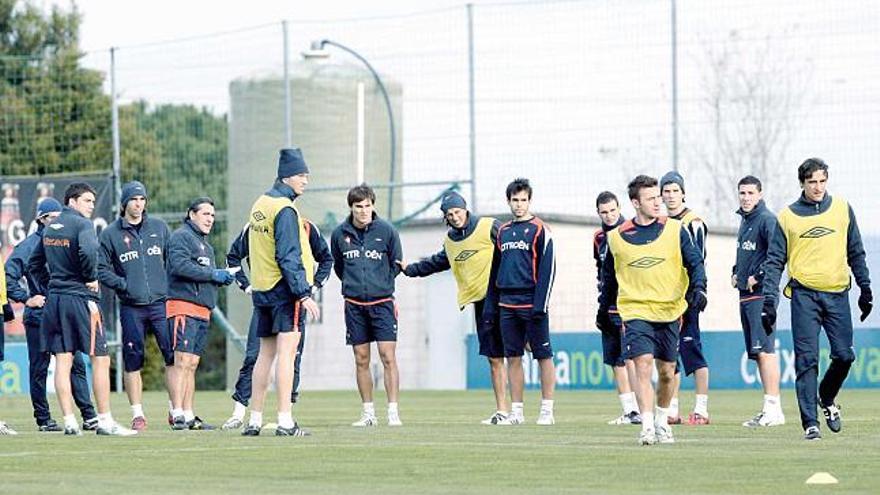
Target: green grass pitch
x=442 y=448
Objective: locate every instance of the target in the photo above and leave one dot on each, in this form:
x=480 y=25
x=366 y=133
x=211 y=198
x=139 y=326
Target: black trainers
x=296 y=431
x=832 y=417
x=812 y=433
x=251 y=431
x=90 y=424
x=198 y=424
x=49 y=426
x=179 y=423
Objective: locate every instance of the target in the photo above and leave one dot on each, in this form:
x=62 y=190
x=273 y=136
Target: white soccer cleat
x=494 y=419
x=233 y=423
x=765 y=419
x=116 y=430
x=367 y=419
x=545 y=418
x=512 y=419
x=664 y=434
x=647 y=437
x=6 y=430
x=394 y=419
x=630 y=418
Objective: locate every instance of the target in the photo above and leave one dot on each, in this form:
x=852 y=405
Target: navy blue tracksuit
x=752 y=241
x=38 y=353
x=238 y=251
x=812 y=309
x=132 y=263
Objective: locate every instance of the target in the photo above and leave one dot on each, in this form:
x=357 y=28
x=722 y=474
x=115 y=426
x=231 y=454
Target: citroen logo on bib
x=646 y=262
x=465 y=254
x=817 y=232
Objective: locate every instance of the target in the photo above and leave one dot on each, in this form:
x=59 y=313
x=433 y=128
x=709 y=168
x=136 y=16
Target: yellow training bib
x=265 y=272
x=471 y=262
x=817 y=251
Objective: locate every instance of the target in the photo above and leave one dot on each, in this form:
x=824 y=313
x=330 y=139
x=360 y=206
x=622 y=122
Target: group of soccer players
x=650 y=273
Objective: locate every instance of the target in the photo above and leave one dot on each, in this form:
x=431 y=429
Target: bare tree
x=751 y=92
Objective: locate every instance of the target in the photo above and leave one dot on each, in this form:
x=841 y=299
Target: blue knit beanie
x=291 y=162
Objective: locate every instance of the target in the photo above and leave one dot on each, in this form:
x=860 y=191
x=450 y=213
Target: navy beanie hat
x=132 y=189
x=452 y=200
x=46 y=206
x=672 y=178
x=291 y=162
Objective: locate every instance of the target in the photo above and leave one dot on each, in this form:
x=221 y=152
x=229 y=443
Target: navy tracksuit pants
x=810 y=311
x=244 y=383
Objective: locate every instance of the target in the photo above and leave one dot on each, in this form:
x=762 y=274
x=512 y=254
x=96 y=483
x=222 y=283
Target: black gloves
x=768 y=317
x=697 y=300
x=603 y=321
x=866 y=303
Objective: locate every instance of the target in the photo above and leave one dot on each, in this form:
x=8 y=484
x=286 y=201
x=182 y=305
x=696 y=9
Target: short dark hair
x=77 y=189
x=639 y=183
x=196 y=204
x=359 y=193
x=605 y=197
x=810 y=165
x=749 y=180
x=517 y=186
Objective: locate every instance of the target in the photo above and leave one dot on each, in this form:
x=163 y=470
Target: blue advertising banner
x=578 y=359
x=14 y=370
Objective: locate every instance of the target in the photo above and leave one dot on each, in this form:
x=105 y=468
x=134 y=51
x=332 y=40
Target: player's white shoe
x=367 y=419
x=630 y=418
x=765 y=419
x=494 y=419
x=233 y=423
x=116 y=430
x=664 y=434
x=545 y=418
x=512 y=419
x=394 y=419
x=647 y=437
x=6 y=430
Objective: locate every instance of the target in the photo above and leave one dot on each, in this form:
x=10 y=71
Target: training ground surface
x=442 y=448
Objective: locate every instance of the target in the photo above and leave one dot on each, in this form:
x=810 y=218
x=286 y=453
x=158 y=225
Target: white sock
x=176 y=413
x=516 y=408
x=547 y=405
x=105 y=420
x=673 y=407
x=392 y=408
x=661 y=416
x=702 y=405
x=772 y=403
x=370 y=408
x=188 y=415
x=256 y=418
x=70 y=421
x=647 y=421
x=171 y=407
x=628 y=402
x=238 y=410
x=285 y=420
x=137 y=410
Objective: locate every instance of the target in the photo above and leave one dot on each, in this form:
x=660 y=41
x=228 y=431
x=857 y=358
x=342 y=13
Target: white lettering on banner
x=521 y=245
x=351 y=254
x=788 y=374
x=373 y=254
x=128 y=256
x=154 y=251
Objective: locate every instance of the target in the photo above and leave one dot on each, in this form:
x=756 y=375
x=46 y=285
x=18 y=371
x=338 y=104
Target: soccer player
x=608 y=322
x=132 y=264
x=520 y=283
x=8 y=315
x=38 y=352
x=365 y=251
x=65 y=264
x=193 y=279
x=818 y=238
x=238 y=251
x=279 y=254
x=467 y=250
x=757 y=227
x=690 y=345
x=654 y=272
